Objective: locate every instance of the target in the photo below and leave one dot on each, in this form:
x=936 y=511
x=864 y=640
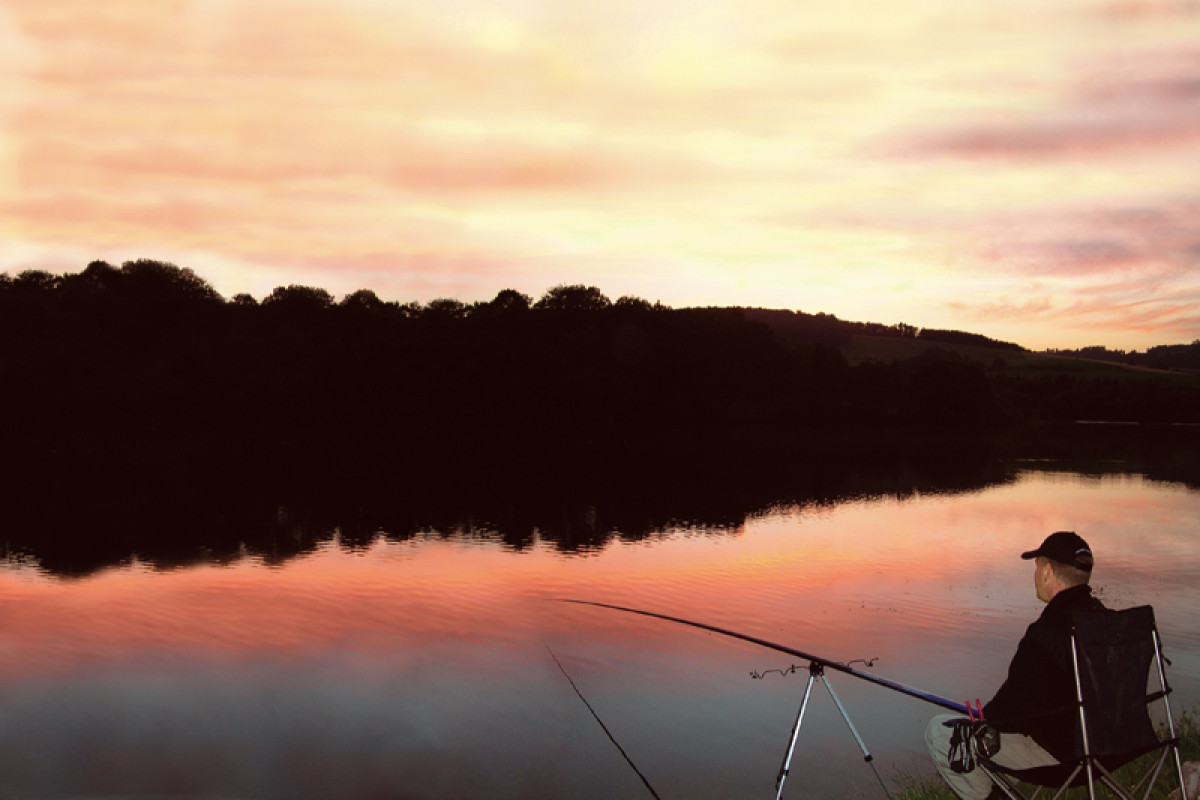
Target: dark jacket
x=1038 y=696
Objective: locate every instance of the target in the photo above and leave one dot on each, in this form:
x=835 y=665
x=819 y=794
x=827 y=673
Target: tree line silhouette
x=150 y=352
x=150 y=356
x=139 y=403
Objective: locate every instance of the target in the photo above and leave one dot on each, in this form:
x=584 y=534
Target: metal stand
x=817 y=670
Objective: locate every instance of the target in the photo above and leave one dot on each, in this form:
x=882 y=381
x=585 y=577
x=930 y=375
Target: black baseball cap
x=1065 y=547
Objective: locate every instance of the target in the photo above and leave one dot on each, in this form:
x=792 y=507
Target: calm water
x=423 y=668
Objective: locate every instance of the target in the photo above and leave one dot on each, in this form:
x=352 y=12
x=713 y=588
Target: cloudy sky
x=1025 y=169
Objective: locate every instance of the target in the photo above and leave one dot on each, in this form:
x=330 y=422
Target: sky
x=1025 y=169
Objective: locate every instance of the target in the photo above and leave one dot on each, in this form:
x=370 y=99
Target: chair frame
x=1089 y=762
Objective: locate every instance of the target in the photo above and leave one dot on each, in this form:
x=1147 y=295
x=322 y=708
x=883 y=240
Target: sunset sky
x=1025 y=170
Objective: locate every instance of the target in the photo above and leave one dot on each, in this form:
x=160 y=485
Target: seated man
x=1035 y=708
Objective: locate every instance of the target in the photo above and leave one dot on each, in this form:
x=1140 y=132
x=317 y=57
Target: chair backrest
x=1114 y=651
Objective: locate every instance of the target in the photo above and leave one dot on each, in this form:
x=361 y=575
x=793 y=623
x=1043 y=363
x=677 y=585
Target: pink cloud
x=1132 y=11
x=1155 y=239
x=1170 y=320
x=1125 y=272
x=1132 y=100
x=1074 y=133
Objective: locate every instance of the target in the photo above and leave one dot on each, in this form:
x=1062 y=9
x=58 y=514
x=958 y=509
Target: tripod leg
x=814 y=669
x=870 y=759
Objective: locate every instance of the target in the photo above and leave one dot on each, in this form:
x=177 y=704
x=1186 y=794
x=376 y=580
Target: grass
x=910 y=787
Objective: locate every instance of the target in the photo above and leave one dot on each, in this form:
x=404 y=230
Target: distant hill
x=861 y=349
x=862 y=342
x=1185 y=357
x=827 y=329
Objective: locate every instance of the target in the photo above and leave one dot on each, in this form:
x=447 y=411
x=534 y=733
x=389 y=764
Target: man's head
x=1063 y=560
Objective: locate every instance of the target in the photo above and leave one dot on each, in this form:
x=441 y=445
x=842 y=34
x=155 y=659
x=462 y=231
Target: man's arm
x=1025 y=692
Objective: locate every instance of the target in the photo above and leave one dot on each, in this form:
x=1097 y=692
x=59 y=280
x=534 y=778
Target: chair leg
x=1148 y=780
x=1004 y=784
x=1066 y=785
x=1110 y=780
x=1150 y=777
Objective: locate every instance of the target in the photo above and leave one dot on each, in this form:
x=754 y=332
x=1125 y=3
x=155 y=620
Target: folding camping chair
x=1112 y=653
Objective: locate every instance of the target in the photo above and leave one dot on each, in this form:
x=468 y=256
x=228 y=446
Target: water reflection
x=577 y=500
x=417 y=667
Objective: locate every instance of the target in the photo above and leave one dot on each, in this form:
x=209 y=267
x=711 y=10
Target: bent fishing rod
x=895 y=686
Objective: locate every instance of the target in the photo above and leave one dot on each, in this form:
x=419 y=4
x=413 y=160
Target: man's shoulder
x=1059 y=613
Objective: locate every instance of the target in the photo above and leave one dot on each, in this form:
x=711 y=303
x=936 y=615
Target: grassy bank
x=910 y=787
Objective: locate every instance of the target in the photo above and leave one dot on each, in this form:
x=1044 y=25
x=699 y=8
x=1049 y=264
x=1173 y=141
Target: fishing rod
x=816 y=672
x=838 y=666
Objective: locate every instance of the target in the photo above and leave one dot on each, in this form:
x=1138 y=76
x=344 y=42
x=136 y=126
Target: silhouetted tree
x=1172 y=356
x=446 y=308
x=948 y=391
x=298 y=298
x=35 y=280
x=363 y=300
x=631 y=303
x=101 y=273
x=573 y=298
x=157 y=280
x=510 y=300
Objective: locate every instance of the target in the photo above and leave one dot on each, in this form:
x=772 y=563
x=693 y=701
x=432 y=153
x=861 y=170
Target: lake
x=424 y=666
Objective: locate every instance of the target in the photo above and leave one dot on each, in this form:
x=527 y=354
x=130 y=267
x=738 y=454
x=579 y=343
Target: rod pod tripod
x=816 y=670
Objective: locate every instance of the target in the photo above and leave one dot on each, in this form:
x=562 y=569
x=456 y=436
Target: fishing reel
x=972 y=739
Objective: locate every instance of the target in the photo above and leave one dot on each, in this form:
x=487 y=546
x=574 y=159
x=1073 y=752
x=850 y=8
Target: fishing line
x=604 y=727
